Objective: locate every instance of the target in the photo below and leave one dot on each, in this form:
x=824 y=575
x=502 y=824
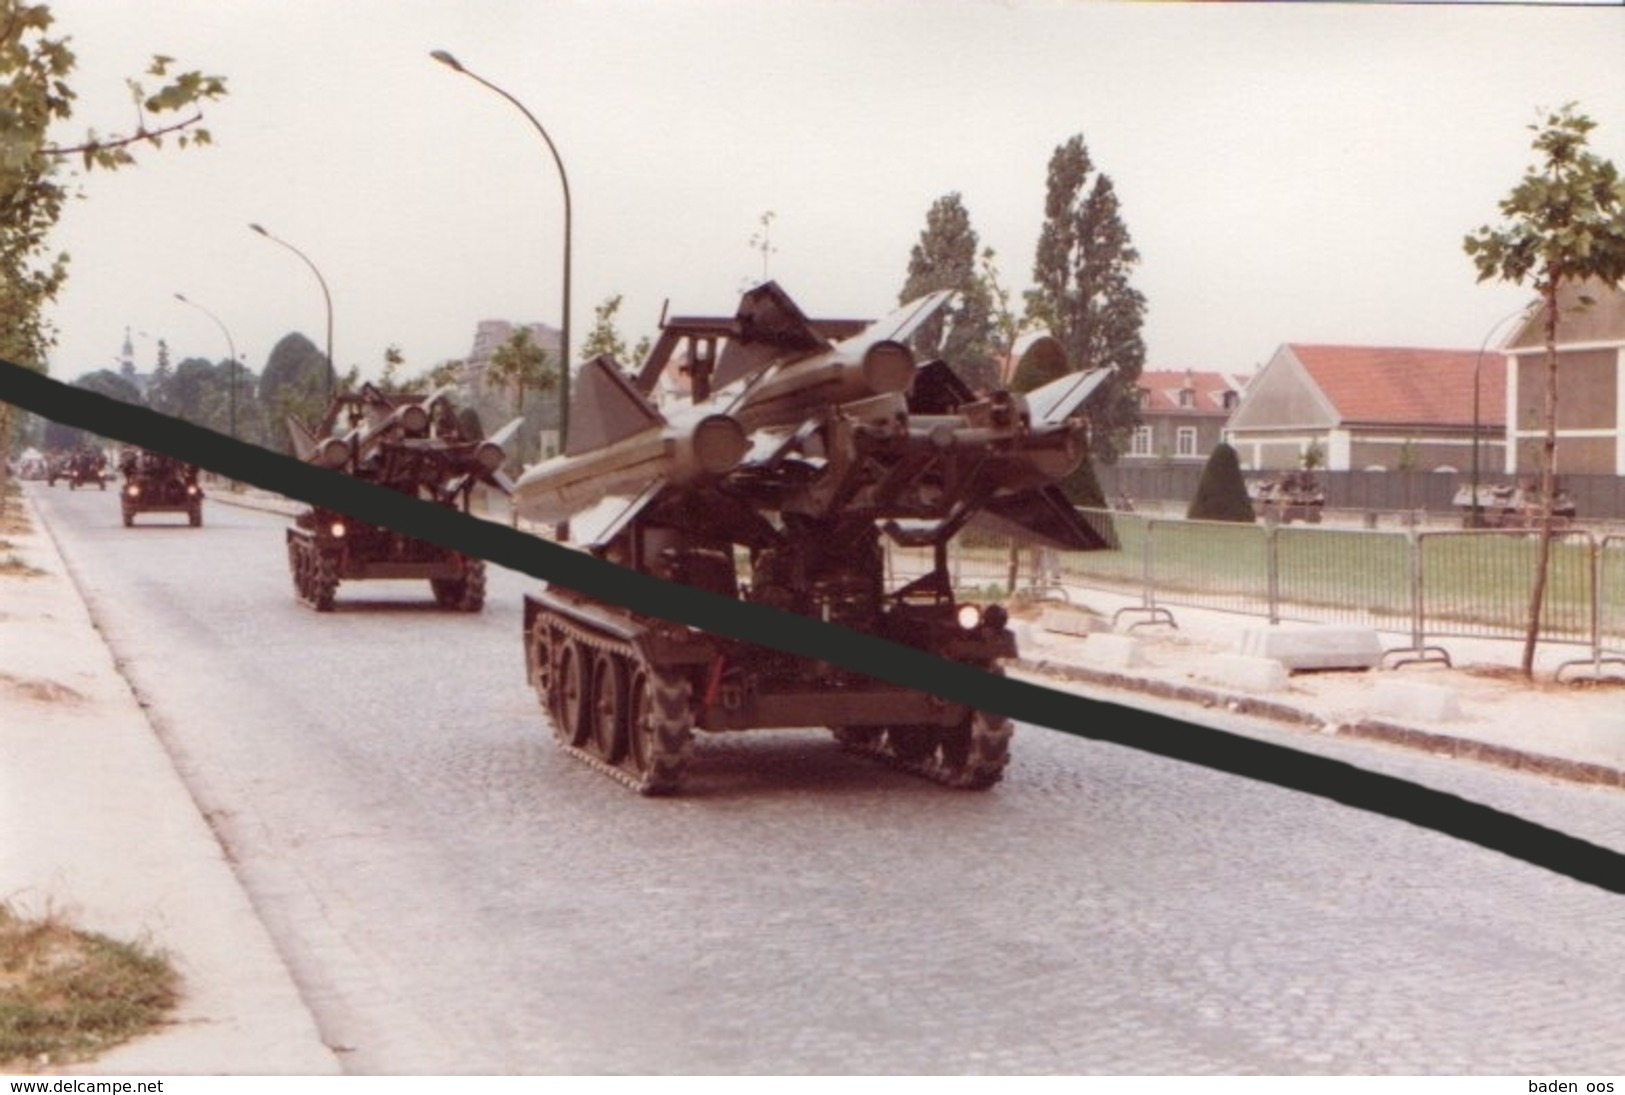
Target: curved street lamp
x=326 y=296
x=564 y=332
x=1475 y=512
x=232 y=388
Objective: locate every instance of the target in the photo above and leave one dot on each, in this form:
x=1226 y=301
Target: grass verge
x=67 y=995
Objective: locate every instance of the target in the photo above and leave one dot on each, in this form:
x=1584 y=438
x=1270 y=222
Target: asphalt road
x=453 y=895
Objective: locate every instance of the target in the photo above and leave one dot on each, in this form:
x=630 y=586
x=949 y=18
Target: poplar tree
x=1082 y=292
x=945 y=257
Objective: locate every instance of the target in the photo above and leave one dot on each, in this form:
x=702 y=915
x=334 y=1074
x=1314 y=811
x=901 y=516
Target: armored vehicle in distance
x=158 y=483
x=410 y=443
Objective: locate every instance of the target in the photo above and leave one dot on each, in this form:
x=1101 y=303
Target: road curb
x=112 y=831
x=1382 y=730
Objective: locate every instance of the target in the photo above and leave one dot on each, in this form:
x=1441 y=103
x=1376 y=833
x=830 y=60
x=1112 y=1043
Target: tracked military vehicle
x=155 y=482
x=409 y=443
x=800 y=447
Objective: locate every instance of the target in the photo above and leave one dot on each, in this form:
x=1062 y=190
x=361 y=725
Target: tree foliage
x=605 y=337
x=1082 y=293
x=36 y=173
x=945 y=257
x=1221 y=494
x=297 y=383
x=524 y=366
x=1564 y=226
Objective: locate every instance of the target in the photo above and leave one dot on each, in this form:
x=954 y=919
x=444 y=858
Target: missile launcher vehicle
x=155 y=482
x=799 y=448
x=414 y=444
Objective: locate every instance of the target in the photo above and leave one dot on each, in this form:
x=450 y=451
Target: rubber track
x=669 y=764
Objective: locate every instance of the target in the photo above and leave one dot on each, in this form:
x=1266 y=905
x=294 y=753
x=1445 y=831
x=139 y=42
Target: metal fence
x=1426 y=584
x=1596 y=497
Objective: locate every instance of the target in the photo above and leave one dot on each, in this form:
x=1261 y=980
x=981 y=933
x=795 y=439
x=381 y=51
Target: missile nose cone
x=888 y=367
x=719 y=444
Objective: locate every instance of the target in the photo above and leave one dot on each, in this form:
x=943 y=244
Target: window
x=1231 y=400
x=1185 y=441
x=1187 y=398
x=1140 y=443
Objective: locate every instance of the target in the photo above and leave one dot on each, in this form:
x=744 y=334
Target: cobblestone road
x=455 y=896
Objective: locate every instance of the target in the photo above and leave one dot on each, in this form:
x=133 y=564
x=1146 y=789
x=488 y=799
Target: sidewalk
x=1479 y=708
x=99 y=828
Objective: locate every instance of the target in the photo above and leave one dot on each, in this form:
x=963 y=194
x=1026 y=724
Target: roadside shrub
x=1221 y=495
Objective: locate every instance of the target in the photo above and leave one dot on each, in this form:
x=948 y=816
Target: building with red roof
x=1182 y=415
x=1373 y=408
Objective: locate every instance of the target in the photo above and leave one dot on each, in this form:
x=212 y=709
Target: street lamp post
x=232 y=346
x=1475 y=511
x=326 y=296
x=564 y=324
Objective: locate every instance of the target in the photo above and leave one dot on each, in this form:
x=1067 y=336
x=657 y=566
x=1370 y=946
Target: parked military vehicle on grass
x=409 y=443
x=1295 y=496
x=157 y=483
x=800 y=447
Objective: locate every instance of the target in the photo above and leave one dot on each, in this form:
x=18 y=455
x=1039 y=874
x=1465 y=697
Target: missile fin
x=506 y=433
x=607 y=408
x=768 y=327
x=1063 y=397
x=1047 y=517
x=938 y=390
x=304 y=442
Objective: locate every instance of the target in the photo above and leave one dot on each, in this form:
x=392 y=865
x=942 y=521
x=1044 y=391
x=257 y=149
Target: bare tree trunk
x=1548 y=482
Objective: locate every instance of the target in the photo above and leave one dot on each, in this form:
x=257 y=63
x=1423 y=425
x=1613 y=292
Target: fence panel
x=1478 y=584
x=1348 y=576
x=1611 y=596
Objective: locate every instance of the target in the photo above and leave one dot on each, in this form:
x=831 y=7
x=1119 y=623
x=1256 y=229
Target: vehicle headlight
x=337 y=529
x=191 y=488
x=969 y=617
x=133 y=491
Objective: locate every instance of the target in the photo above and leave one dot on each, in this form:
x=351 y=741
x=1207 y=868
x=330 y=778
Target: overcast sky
x=1289 y=173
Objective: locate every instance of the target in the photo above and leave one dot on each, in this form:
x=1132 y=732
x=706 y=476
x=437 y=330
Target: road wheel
x=975 y=755
x=465 y=594
x=129 y=519
x=194 y=516
x=608 y=709
x=569 y=708
x=912 y=744
x=324 y=580
x=661 y=730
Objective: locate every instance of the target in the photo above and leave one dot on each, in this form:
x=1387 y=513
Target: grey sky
x=1288 y=172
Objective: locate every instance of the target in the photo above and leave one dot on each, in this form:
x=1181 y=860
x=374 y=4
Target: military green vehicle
x=798 y=450
x=157 y=483
x=414 y=444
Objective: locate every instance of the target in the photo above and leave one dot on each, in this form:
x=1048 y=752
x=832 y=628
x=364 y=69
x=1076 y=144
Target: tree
x=961 y=332
x=1006 y=326
x=35 y=180
x=1221 y=495
x=605 y=337
x=1081 y=272
x=524 y=365
x=1564 y=226
x=295 y=384
x=761 y=241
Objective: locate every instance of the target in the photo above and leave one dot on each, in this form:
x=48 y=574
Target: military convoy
x=800 y=446
x=414 y=444
x=85 y=468
x=157 y=483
